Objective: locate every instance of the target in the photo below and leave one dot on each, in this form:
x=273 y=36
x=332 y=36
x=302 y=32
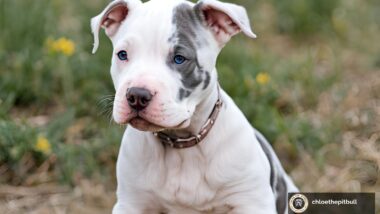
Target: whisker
x=105 y=105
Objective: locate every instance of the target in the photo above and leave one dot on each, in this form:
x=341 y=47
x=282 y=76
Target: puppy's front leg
x=123 y=208
x=260 y=201
x=252 y=209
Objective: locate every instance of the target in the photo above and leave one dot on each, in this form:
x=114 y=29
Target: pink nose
x=138 y=98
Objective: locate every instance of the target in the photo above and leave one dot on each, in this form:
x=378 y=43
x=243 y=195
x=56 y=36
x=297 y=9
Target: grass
x=319 y=105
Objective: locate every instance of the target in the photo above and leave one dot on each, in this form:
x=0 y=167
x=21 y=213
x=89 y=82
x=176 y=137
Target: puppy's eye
x=122 y=55
x=178 y=59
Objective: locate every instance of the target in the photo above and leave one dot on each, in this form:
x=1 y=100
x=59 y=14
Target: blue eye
x=178 y=59
x=122 y=55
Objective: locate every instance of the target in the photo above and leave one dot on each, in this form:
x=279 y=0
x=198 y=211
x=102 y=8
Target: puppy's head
x=164 y=54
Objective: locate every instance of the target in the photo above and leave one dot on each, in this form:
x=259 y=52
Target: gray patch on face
x=185 y=41
x=183 y=93
x=171 y=38
x=206 y=81
x=277 y=181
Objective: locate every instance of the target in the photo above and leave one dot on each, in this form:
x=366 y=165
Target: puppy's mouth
x=142 y=124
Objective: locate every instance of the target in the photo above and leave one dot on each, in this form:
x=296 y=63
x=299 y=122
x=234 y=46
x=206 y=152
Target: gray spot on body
x=267 y=152
x=281 y=195
x=277 y=181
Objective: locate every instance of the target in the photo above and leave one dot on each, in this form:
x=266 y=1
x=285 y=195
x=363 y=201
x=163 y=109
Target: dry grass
x=86 y=198
x=352 y=165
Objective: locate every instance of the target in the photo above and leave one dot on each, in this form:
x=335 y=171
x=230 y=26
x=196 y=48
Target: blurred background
x=310 y=83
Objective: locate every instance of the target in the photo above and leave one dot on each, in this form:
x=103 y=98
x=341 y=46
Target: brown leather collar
x=181 y=143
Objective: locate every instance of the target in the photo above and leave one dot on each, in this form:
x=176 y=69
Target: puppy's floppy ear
x=111 y=18
x=224 y=19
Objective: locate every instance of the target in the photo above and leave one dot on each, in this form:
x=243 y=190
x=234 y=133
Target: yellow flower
x=262 y=78
x=61 y=45
x=43 y=145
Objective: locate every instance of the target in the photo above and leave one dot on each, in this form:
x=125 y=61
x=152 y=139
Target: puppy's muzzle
x=138 y=98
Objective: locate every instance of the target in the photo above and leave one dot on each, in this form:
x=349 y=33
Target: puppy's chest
x=184 y=179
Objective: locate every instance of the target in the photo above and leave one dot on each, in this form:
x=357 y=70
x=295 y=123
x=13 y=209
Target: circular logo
x=298 y=203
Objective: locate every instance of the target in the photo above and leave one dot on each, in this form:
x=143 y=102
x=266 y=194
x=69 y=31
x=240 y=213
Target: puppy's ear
x=111 y=18
x=224 y=20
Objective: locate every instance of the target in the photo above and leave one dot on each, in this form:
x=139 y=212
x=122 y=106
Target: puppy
x=188 y=149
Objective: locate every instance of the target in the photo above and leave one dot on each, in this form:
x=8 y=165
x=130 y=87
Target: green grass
x=302 y=65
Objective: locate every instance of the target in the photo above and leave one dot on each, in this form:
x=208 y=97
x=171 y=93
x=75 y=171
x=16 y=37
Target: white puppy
x=188 y=149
